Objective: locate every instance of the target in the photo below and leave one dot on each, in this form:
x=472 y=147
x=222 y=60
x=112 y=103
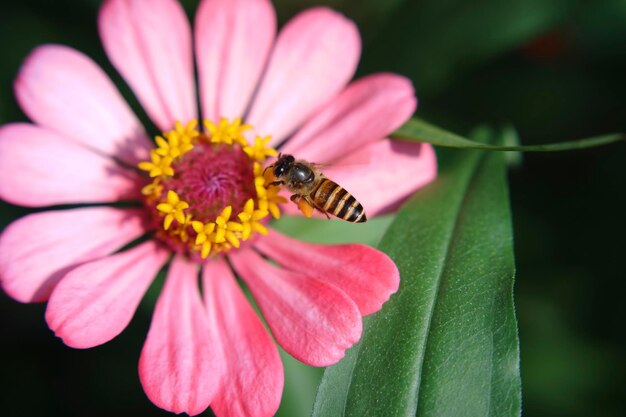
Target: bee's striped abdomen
x=330 y=197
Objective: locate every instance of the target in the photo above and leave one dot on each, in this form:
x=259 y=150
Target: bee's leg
x=312 y=204
x=276 y=183
x=303 y=204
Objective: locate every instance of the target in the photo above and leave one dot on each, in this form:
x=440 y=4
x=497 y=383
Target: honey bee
x=312 y=188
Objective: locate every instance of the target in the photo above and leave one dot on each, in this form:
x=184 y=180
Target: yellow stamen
x=187 y=133
x=227 y=132
x=204 y=231
x=268 y=195
x=174 y=209
x=183 y=228
x=153 y=190
x=259 y=151
x=226 y=229
x=159 y=165
x=249 y=218
x=205 y=237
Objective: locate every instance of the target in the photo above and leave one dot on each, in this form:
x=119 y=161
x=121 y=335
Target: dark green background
x=552 y=68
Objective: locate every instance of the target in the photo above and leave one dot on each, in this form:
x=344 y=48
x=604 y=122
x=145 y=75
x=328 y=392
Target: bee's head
x=282 y=164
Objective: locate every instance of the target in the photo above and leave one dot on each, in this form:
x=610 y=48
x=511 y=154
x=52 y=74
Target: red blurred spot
x=548 y=47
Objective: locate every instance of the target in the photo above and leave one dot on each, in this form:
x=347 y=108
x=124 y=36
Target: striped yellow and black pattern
x=330 y=197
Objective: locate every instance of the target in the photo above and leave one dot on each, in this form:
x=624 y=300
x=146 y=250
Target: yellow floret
x=260 y=151
x=158 y=166
x=227 y=132
x=174 y=209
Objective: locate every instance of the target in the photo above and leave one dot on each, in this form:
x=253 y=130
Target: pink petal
x=367 y=110
x=97 y=300
x=65 y=91
x=254 y=372
x=312 y=320
x=395 y=169
x=149 y=42
x=315 y=56
x=40 y=168
x=233 y=40
x=38 y=250
x=181 y=364
x=365 y=274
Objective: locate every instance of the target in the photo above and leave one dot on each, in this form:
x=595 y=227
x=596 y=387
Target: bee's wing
x=317 y=165
x=320 y=168
x=352 y=160
x=330 y=170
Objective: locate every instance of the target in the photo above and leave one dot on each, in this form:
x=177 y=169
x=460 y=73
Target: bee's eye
x=279 y=170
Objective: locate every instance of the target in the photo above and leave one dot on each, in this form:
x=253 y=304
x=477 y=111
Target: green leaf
x=446 y=344
x=419 y=130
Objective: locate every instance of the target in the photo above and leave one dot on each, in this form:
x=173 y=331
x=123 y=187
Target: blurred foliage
x=554 y=69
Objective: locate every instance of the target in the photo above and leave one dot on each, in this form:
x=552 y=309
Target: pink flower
x=200 y=195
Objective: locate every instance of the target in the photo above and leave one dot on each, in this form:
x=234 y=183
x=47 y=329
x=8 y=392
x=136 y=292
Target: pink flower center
x=211 y=177
x=209 y=191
